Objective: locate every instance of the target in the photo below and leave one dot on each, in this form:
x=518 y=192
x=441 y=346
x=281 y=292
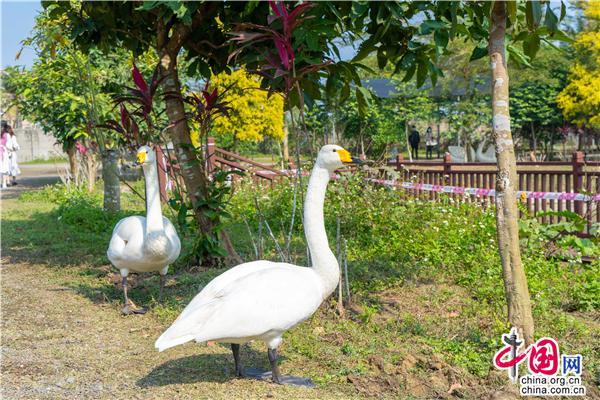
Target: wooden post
x=210 y=155
x=577 y=162
x=399 y=160
x=162 y=173
x=447 y=165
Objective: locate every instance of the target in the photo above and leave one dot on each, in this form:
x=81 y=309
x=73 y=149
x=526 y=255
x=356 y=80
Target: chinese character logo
x=543 y=356
x=571 y=364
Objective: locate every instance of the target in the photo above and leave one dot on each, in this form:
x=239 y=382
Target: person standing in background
x=4 y=161
x=429 y=143
x=414 y=140
x=12 y=146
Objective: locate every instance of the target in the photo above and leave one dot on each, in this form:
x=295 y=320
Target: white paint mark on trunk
x=501 y=123
x=498 y=82
x=501 y=103
x=493 y=64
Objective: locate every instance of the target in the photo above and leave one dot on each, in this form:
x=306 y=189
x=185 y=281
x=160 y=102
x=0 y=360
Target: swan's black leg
x=239 y=370
x=130 y=307
x=124 y=284
x=162 y=286
x=272 y=353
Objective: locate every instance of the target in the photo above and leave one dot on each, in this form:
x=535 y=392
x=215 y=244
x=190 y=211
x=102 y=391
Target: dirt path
x=33 y=176
x=58 y=345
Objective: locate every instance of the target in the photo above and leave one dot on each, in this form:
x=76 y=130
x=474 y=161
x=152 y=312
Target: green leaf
x=441 y=38
x=531 y=45
x=429 y=26
x=421 y=73
x=518 y=56
x=511 y=7
x=381 y=58
x=563 y=10
x=478 y=52
x=533 y=13
x=551 y=20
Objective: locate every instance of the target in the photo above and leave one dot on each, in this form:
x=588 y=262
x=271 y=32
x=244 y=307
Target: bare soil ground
x=59 y=345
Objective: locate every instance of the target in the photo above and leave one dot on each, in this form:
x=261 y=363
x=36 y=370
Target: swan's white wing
x=171 y=233
x=128 y=235
x=261 y=304
x=210 y=291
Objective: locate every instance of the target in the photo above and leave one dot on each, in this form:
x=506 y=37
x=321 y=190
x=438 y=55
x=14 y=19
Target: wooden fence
x=577 y=176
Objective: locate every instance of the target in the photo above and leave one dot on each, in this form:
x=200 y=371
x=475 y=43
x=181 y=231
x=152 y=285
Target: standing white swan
x=260 y=300
x=144 y=244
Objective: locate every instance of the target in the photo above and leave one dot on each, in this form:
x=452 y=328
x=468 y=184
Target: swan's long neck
x=154 y=220
x=323 y=259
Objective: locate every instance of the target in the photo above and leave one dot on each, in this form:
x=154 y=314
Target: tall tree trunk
x=92 y=169
x=534 y=137
x=192 y=170
x=286 y=147
x=73 y=163
x=110 y=176
x=515 y=281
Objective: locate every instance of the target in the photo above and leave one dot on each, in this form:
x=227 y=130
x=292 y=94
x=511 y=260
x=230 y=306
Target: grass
x=49 y=160
x=417 y=324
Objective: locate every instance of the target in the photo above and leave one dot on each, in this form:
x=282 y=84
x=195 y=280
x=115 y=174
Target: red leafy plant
x=140 y=99
x=207 y=106
x=278 y=65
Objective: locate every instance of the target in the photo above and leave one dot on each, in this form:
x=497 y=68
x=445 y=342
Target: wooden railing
x=577 y=176
x=223 y=159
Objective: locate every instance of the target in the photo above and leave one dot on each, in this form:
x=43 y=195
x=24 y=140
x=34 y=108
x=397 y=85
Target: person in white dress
x=12 y=146
x=4 y=156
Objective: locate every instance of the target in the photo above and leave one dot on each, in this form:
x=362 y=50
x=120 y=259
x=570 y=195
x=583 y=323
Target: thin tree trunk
x=110 y=176
x=410 y=158
x=191 y=168
x=73 y=163
x=92 y=169
x=515 y=281
x=286 y=147
x=533 y=134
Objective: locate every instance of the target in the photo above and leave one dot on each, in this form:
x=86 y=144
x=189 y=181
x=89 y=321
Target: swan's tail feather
x=188 y=326
x=164 y=342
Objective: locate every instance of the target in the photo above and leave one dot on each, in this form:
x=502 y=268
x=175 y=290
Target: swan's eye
x=334 y=150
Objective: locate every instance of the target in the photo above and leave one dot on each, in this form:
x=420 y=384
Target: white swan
x=144 y=244
x=260 y=300
x=489 y=156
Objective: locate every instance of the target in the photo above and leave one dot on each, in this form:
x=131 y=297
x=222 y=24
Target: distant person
x=4 y=160
x=429 y=143
x=12 y=146
x=414 y=140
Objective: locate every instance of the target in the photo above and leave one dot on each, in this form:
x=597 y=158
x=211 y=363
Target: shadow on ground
x=203 y=368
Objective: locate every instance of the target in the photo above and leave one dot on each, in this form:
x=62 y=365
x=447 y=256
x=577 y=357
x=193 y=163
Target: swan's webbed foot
x=131 y=308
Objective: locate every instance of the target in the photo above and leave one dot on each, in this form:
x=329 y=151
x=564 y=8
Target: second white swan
x=147 y=244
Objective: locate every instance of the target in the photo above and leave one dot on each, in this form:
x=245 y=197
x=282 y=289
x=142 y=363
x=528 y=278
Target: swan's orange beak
x=346 y=158
x=141 y=157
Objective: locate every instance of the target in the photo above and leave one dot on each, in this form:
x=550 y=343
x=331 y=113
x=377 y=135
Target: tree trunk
x=192 y=170
x=286 y=147
x=534 y=137
x=73 y=163
x=92 y=169
x=410 y=158
x=110 y=175
x=515 y=281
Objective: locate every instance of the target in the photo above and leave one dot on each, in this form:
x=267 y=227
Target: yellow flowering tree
x=580 y=99
x=252 y=114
